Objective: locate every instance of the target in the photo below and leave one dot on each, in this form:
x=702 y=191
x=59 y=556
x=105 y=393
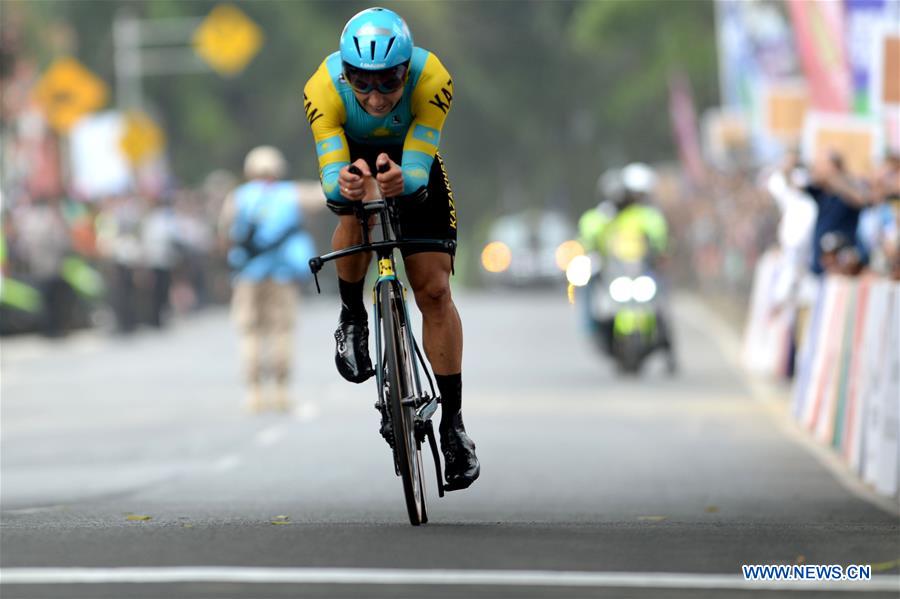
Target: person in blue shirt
x=269 y=253
x=840 y=199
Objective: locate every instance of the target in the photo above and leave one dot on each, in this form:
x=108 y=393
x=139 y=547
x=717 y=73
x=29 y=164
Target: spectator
x=795 y=230
x=119 y=242
x=158 y=238
x=269 y=251
x=830 y=247
x=839 y=198
x=44 y=242
x=877 y=232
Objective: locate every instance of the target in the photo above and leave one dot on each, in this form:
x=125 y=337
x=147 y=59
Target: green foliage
x=548 y=94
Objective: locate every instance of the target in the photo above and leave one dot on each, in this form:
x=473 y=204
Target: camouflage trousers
x=265 y=313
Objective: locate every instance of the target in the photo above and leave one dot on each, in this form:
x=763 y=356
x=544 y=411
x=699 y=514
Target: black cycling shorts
x=433 y=218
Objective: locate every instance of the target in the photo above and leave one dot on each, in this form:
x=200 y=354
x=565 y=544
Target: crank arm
x=429 y=432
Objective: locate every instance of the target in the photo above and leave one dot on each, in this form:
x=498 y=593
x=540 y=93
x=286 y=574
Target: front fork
x=425 y=406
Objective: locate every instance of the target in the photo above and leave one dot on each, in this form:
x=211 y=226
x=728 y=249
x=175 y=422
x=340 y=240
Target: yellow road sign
x=227 y=39
x=68 y=91
x=142 y=138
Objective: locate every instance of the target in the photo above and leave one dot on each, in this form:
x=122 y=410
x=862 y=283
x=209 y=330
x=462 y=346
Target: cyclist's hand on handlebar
x=353 y=186
x=389 y=177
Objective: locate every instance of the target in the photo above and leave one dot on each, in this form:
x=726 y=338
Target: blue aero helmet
x=376 y=39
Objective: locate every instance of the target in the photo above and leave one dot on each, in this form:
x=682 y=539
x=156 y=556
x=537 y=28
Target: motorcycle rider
x=626 y=223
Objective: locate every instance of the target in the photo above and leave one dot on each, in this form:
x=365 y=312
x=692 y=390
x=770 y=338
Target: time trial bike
x=406 y=408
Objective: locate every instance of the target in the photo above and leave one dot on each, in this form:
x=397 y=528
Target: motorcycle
x=620 y=298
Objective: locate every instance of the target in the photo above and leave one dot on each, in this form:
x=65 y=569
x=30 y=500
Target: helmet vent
x=372 y=46
x=390 y=44
x=356 y=41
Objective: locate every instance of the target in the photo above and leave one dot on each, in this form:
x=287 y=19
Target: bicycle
x=406 y=410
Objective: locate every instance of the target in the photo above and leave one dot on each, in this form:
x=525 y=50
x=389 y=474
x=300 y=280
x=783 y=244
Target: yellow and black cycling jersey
x=415 y=123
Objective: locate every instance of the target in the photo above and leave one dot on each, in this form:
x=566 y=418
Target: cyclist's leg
x=429 y=277
x=352 y=335
x=429 y=272
x=347 y=233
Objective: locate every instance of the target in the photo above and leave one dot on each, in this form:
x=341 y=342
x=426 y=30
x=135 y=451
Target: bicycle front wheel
x=400 y=388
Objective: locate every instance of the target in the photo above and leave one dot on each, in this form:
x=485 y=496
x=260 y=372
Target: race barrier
x=847 y=385
x=767 y=337
x=846 y=375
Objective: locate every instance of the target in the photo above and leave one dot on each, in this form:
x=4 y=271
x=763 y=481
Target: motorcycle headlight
x=644 y=289
x=578 y=273
x=621 y=289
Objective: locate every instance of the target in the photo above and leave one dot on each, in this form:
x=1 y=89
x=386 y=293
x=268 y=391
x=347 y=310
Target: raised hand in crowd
x=830 y=172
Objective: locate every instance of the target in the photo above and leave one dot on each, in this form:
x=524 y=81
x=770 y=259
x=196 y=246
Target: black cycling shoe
x=461 y=466
x=351 y=353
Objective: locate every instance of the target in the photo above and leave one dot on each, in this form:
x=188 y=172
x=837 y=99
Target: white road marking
x=270 y=436
x=511 y=578
x=33 y=510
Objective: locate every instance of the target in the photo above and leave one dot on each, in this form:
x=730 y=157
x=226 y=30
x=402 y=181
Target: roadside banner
x=884 y=85
x=854 y=405
x=847 y=389
x=767 y=334
x=683 y=115
x=819 y=34
x=807 y=353
x=857 y=139
x=863 y=22
x=755 y=44
x=816 y=365
x=837 y=416
x=882 y=427
x=825 y=404
x=783 y=110
x=884 y=82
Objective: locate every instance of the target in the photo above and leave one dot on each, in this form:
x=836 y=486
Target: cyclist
x=626 y=214
x=381 y=101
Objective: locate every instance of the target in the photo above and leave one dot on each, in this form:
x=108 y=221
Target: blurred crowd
x=760 y=243
x=130 y=260
x=819 y=218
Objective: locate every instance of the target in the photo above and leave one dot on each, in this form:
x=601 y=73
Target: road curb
x=776 y=399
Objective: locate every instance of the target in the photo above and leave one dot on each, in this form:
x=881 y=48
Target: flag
x=819 y=35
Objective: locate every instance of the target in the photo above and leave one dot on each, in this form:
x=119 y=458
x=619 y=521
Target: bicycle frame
x=387 y=208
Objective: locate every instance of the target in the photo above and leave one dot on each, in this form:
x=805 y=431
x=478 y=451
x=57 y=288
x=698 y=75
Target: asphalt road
x=135 y=453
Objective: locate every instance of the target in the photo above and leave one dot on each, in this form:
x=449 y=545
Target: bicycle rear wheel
x=400 y=366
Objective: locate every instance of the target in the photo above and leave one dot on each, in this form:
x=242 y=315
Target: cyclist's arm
x=431 y=102
x=326 y=115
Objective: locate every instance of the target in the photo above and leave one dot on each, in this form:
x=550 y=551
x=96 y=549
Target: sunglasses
x=386 y=81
